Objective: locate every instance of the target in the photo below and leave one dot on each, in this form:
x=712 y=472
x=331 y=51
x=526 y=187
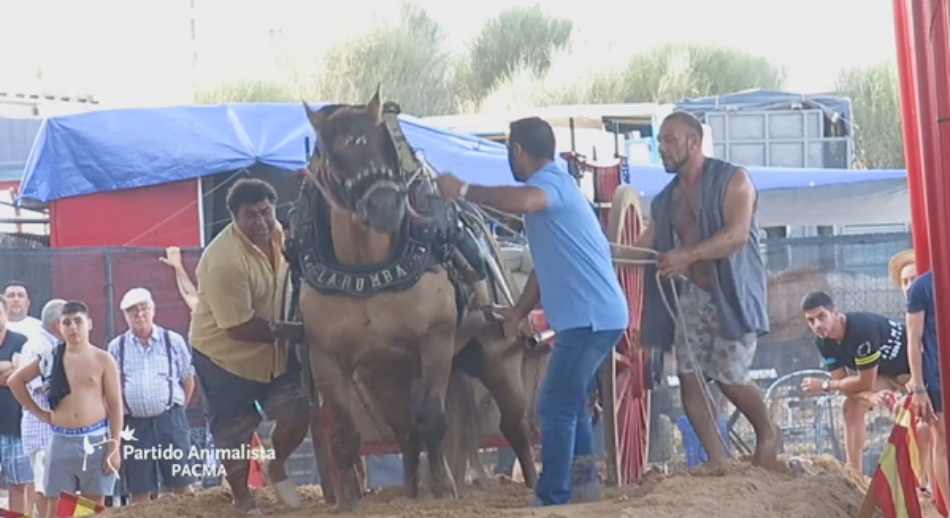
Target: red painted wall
x=159 y=215
x=154 y=217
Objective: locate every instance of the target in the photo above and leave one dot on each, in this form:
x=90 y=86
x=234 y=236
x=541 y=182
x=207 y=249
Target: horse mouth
x=383 y=206
x=366 y=178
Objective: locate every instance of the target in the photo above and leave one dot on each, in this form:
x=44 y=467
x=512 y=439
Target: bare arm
x=187 y=289
x=915 y=346
x=112 y=389
x=188 y=384
x=6 y=369
x=863 y=382
x=737 y=208
x=647 y=239
x=18 y=386
x=529 y=297
x=513 y=200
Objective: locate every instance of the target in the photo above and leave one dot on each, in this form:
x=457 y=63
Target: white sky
x=139 y=52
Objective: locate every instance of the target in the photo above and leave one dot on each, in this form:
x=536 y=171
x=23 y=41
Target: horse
x=393 y=286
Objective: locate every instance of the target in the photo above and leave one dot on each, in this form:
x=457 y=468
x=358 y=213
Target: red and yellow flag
x=6 y=513
x=72 y=505
x=255 y=473
x=894 y=483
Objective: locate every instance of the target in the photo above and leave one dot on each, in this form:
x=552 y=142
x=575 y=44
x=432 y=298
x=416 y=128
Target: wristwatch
x=826 y=385
x=463 y=190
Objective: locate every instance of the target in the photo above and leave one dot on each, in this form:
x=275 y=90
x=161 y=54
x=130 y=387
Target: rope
x=680 y=319
x=672 y=309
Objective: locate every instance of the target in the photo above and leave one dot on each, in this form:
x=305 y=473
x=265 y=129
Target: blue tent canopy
x=650 y=179
x=110 y=150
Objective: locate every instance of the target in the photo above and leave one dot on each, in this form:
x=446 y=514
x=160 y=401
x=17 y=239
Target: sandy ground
x=809 y=488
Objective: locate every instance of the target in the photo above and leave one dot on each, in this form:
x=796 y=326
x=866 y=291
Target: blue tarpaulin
x=110 y=150
x=650 y=179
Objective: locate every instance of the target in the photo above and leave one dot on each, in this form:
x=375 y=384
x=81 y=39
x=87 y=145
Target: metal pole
x=932 y=20
x=109 y=297
x=910 y=115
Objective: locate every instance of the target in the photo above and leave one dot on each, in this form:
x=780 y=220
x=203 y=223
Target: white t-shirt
x=30 y=326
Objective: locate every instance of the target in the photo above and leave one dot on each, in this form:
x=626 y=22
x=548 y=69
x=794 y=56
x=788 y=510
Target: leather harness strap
x=407 y=161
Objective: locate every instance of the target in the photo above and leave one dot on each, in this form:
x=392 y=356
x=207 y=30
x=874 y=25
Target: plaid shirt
x=35 y=433
x=144 y=371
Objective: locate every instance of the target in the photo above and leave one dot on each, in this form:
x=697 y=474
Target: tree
x=407 y=59
x=248 y=91
x=665 y=74
x=674 y=72
x=515 y=39
x=875 y=98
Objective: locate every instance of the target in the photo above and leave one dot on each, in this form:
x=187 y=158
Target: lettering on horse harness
x=399 y=274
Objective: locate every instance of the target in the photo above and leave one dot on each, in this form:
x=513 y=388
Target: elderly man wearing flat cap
x=157 y=382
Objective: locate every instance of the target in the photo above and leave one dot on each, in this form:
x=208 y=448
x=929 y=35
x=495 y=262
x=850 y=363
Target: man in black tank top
x=865 y=353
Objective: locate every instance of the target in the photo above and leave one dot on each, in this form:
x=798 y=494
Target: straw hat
x=898 y=262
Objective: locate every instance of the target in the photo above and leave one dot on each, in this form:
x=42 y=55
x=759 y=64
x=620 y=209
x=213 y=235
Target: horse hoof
x=287 y=493
x=346 y=506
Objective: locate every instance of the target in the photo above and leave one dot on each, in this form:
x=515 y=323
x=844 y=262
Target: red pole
x=932 y=27
x=910 y=116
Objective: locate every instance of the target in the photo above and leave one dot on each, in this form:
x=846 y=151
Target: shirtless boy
x=82 y=382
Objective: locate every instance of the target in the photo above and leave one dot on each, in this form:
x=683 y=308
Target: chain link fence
x=853 y=270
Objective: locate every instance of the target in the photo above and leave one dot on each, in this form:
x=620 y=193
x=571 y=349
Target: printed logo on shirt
x=891 y=349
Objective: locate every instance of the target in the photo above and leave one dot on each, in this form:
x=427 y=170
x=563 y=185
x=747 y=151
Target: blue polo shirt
x=920 y=297
x=579 y=287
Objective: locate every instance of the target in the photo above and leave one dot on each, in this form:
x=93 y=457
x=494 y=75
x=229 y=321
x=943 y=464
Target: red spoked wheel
x=626 y=396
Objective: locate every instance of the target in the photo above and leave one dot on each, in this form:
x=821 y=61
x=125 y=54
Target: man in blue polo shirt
x=923 y=357
x=574 y=280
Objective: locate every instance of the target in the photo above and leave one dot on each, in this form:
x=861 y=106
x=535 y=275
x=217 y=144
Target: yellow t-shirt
x=236 y=282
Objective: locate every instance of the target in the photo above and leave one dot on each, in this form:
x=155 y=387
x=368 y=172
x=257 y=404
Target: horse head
x=357 y=165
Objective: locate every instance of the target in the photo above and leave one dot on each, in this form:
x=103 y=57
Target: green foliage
x=249 y=91
x=406 y=58
x=875 y=96
x=521 y=58
x=673 y=72
x=515 y=39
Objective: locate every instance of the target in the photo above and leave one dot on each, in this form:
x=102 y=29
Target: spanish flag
x=72 y=505
x=255 y=474
x=894 y=483
x=6 y=513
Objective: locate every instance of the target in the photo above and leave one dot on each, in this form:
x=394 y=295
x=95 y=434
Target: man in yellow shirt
x=245 y=373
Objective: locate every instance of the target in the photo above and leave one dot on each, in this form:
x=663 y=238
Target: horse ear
x=375 y=106
x=316 y=118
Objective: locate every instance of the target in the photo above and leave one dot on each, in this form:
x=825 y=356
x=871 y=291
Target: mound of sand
x=809 y=488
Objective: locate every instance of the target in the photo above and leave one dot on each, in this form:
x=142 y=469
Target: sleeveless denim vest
x=740 y=288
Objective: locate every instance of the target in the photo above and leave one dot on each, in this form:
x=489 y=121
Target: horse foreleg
x=334 y=383
x=391 y=394
x=321 y=450
x=435 y=354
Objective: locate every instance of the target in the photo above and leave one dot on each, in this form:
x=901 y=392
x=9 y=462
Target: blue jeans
x=566 y=428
